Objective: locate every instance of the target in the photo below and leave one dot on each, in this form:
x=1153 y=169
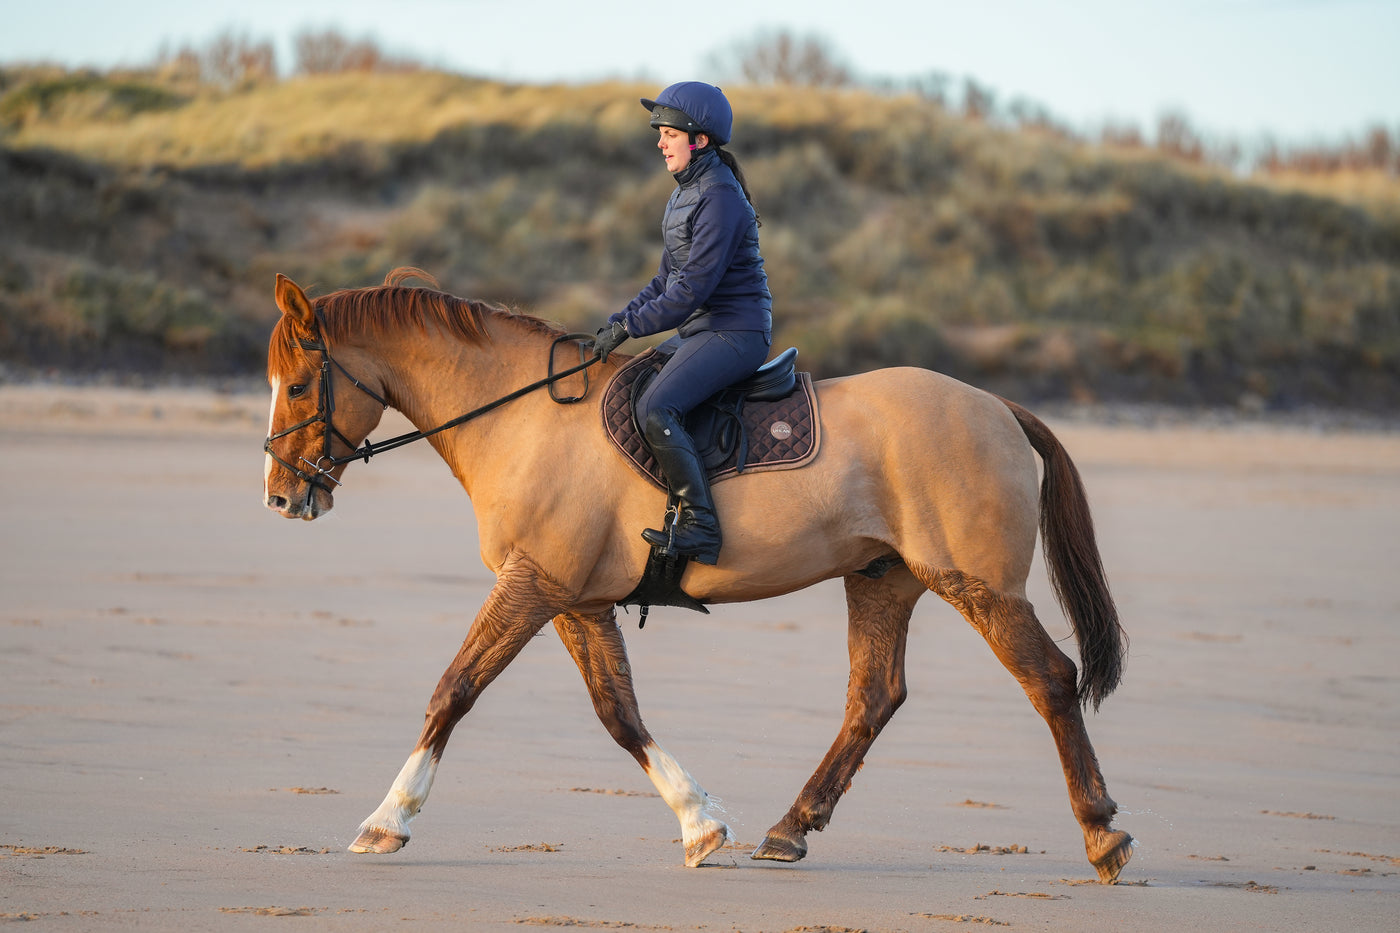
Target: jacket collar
x=701 y=163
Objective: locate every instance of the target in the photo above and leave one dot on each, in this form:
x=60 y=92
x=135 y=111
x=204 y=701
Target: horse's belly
x=788 y=531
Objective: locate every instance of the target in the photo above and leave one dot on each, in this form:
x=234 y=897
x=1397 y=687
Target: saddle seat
x=773 y=380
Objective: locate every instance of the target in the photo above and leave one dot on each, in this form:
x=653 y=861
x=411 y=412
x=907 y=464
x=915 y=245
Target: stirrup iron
x=671 y=522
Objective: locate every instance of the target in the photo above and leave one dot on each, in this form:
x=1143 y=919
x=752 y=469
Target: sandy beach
x=200 y=701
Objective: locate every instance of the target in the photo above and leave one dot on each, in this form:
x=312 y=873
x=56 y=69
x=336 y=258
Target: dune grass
x=894 y=231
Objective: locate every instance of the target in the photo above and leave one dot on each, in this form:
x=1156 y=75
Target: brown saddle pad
x=782 y=435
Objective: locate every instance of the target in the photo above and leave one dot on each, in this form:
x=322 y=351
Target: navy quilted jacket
x=711 y=275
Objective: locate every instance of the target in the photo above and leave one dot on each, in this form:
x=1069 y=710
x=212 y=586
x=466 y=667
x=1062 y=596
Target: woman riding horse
x=924 y=484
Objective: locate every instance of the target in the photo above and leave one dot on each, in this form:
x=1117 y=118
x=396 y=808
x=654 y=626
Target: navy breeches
x=705 y=363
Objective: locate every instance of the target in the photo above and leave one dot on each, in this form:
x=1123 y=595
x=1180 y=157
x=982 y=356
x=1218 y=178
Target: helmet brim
x=661 y=115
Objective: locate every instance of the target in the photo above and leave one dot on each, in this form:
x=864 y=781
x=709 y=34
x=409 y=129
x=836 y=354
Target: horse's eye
x=296 y=391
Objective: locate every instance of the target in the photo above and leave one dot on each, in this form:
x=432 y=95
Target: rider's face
x=675 y=147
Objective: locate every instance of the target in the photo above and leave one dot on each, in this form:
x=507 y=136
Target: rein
x=325 y=409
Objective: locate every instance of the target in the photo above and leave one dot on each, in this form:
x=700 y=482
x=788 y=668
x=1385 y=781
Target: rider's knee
x=659 y=426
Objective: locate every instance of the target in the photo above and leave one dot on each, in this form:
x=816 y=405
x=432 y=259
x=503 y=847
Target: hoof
x=376 y=841
x=705 y=846
x=780 y=849
x=1115 y=849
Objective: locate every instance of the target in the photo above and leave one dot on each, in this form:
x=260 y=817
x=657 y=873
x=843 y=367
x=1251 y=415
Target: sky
x=1296 y=71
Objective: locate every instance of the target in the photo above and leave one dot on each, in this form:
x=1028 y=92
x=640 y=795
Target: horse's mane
x=390 y=308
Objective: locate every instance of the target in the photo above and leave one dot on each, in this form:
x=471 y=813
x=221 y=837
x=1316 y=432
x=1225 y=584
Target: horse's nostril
x=277 y=503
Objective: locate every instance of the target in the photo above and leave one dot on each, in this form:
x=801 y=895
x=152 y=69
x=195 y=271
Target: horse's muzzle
x=315 y=503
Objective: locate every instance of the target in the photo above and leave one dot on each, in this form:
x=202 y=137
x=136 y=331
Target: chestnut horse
x=922 y=483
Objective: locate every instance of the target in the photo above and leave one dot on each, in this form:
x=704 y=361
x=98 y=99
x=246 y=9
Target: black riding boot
x=697 y=526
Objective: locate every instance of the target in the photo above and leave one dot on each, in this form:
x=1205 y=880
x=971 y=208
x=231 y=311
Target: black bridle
x=317 y=473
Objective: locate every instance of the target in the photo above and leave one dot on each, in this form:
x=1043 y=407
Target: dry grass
x=893 y=229
x=312 y=117
x=1371 y=189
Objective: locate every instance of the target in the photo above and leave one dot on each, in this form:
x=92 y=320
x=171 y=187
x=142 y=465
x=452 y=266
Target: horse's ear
x=294 y=303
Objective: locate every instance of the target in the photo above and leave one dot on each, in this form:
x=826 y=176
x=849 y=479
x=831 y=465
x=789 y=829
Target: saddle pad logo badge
x=781 y=430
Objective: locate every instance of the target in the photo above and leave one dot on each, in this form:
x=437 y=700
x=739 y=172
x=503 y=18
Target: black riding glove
x=608 y=338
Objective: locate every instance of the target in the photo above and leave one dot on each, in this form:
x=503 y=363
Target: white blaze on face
x=268 y=462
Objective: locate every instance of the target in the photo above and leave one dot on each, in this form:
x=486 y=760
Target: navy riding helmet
x=694 y=107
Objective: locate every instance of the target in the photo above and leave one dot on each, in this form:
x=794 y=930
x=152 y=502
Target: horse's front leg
x=519 y=605
x=596 y=644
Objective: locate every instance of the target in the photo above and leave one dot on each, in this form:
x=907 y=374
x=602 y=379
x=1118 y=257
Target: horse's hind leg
x=596 y=644
x=879 y=612
x=518 y=606
x=1020 y=642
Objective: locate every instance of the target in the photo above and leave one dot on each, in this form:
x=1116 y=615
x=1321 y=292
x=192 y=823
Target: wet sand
x=200 y=701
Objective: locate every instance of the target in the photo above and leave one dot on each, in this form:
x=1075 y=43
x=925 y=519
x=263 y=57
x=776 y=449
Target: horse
x=922 y=483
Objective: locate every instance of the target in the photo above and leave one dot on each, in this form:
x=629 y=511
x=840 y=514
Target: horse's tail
x=1075 y=568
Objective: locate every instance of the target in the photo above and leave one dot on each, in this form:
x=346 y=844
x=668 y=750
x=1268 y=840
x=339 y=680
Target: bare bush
x=229 y=59
x=1176 y=137
x=1121 y=135
x=785 y=58
x=1033 y=115
x=1381 y=150
x=979 y=101
x=327 y=51
x=932 y=86
x=1378 y=150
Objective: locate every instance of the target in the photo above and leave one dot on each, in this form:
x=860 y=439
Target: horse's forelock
x=283 y=350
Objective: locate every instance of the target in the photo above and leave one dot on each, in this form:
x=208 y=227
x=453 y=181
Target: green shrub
x=106 y=305
x=82 y=96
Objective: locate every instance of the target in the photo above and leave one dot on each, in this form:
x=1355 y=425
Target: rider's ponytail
x=728 y=159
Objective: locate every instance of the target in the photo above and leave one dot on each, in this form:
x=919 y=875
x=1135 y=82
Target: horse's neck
x=436 y=379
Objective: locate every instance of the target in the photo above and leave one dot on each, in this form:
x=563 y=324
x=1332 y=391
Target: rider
x=711 y=288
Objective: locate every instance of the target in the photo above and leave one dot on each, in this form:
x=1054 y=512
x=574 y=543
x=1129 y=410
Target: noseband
x=319 y=472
